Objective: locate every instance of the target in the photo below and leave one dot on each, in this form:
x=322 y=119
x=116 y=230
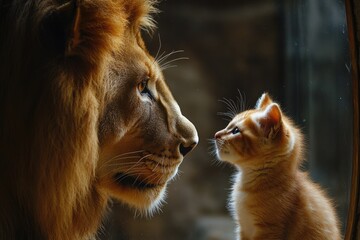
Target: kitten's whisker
x=241 y=100
x=229 y=115
x=234 y=106
x=211 y=140
x=229 y=106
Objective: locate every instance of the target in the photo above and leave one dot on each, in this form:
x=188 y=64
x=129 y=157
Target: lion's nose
x=188 y=135
x=186 y=149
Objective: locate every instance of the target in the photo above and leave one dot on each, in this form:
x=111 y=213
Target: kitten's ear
x=263 y=101
x=270 y=122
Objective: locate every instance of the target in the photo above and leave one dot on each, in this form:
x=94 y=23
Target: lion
x=86 y=116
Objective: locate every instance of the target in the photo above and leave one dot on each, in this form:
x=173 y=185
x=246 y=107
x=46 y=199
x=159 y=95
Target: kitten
x=271 y=197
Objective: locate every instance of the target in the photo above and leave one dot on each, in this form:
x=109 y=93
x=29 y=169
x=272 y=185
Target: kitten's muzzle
x=219 y=134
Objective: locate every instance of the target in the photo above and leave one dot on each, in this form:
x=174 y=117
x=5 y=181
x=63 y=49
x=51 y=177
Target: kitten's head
x=256 y=135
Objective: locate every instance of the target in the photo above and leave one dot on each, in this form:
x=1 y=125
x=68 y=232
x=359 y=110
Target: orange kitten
x=272 y=198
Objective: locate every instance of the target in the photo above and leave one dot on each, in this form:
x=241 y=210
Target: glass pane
x=319 y=93
x=295 y=50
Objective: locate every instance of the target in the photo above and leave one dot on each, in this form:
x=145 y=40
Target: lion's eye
x=236 y=130
x=143 y=88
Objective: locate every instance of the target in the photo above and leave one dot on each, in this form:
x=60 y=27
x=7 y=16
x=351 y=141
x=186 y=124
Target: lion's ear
x=74 y=35
x=57 y=27
x=87 y=29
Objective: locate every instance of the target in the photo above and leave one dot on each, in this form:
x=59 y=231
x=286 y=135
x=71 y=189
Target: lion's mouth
x=157 y=171
x=133 y=182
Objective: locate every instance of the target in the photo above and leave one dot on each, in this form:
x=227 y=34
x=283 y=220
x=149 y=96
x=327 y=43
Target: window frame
x=353 y=23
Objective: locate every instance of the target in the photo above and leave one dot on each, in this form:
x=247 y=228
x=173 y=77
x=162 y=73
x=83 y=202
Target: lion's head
x=85 y=116
x=143 y=135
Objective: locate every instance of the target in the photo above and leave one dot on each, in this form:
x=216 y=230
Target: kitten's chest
x=245 y=216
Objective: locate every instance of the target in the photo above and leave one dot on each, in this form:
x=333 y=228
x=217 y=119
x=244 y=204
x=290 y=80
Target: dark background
x=295 y=50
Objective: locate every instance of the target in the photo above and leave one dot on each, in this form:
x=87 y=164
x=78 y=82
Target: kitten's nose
x=219 y=134
x=186 y=149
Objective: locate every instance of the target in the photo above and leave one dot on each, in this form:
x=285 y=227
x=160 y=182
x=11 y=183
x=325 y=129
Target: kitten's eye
x=236 y=130
x=143 y=88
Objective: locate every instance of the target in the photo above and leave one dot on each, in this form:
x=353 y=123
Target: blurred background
x=297 y=50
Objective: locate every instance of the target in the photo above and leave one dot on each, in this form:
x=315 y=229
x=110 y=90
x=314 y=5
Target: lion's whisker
x=163 y=58
x=167 y=67
x=159 y=57
x=159 y=49
x=131 y=173
x=148 y=178
x=117 y=158
x=136 y=164
x=125 y=157
x=136 y=180
x=125 y=154
x=121 y=164
x=157 y=164
x=134 y=170
x=168 y=55
x=173 y=60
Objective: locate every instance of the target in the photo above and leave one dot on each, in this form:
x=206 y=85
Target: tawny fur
x=56 y=82
x=271 y=197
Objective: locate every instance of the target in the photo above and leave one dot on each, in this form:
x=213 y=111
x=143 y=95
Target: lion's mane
x=54 y=55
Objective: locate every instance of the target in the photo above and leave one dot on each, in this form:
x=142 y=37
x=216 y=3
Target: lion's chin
x=146 y=199
x=144 y=196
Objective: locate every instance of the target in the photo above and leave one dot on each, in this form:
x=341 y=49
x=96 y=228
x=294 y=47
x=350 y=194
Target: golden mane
x=54 y=56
